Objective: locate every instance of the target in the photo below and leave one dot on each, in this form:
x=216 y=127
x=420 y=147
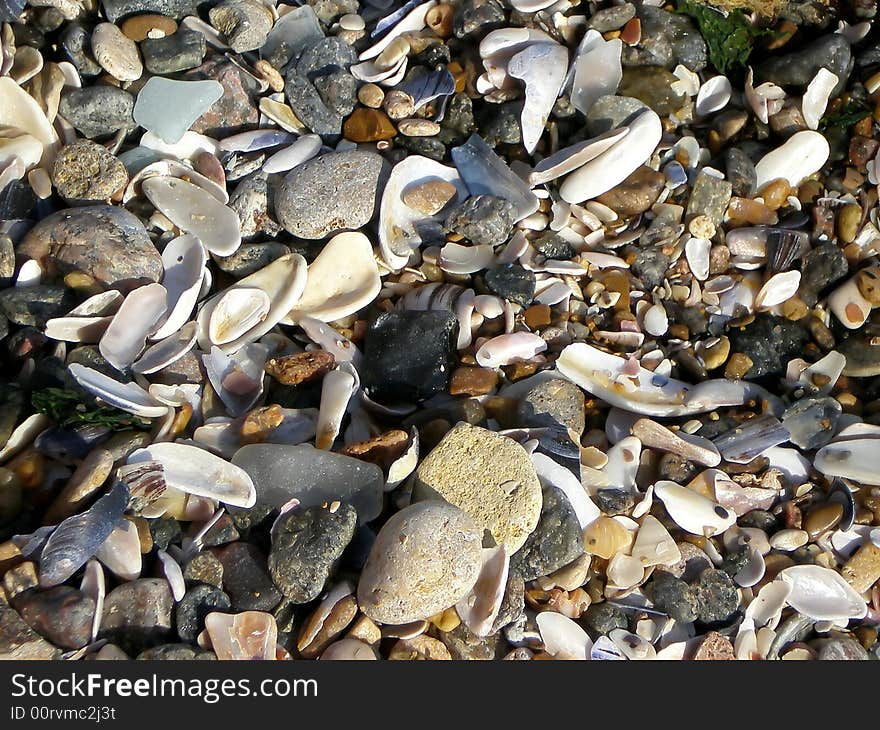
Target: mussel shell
x=78 y=538
x=841 y=494
x=66 y=444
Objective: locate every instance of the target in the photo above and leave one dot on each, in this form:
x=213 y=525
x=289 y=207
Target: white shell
x=77 y=329
x=136 y=319
x=857 y=458
x=173 y=168
x=778 y=289
x=94 y=586
x=305 y=148
x=822 y=593
x=802 y=154
x=195 y=211
x=765 y=100
x=542 y=68
x=553 y=474
x=614 y=165
x=121 y=551
x=458 y=259
x=816 y=97
x=342 y=280
x=19 y=110
x=848 y=305
x=713 y=95
x=195 y=471
x=597 y=70
x=236 y=312
x=506 y=349
x=129 y=397
x=184 y=261
x=693 y=512
x=562 y=637
x=401 y=227
x=654 y=545
x=173 y=574
x=570 y=158
x=283 y=281
x=480 y=606
x=414 y=20
x=696 y=250
x=164 y=352
x=337 y=388
x=237 y=378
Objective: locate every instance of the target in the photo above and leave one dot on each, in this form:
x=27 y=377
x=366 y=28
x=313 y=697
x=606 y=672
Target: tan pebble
x=10 y=556
x=21 y=578
x=701 y=226
x=365 y=629
x=822 y=518
x=398 y=104
x=300 y=367
x=40 y=183
x=716 y=353
x=789 y=539
x=420 y=648
x=340 y=616
x=150 y=25
x=715 y=647
x=259 y=423
x=86 y=480
x=473 y=381
x=117 y=54
x=270 y=74
x=394 y=51
x=447 y=620
x=536 y=316
x=418 y=127
x=737 y=366
x=795 y=309
x=145 y=537
x=605 y=537
x=862 y=570
x=573 y=575
x=429 y=197
x=371 y=95
x=351 y=21
x=776 y=193
x=848 y=222
x=868 y=281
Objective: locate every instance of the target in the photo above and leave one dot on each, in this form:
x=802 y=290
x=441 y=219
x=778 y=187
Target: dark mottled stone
x=98 y=111
x=511 y=281
x=555 y=542
x=245 y=578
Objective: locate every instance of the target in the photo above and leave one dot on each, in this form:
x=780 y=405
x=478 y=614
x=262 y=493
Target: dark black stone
x=164 y=531
x=770 y=342
x=35 y=305
x=614 y=501
x=603 y=617
x=716 y=596
x=180 y=51
x=196 y=604
x=553 y=246
x=512 y=282
x=762 y=519
x=245 y=578
x=820 y=268
x=556 y=541
x=674 y=597
x=482 y=219
x=17 y=200
x=409 y=355
x=500 y=123
x=798 y=68
x=306 y=544
x=476 y=16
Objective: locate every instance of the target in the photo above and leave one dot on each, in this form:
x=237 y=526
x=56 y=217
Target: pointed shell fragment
x=542 y=68
x=693 y=512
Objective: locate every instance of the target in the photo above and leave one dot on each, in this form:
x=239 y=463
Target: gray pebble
x=180 y=51
x=555 y=542
x=483 y=219
x=97 y=111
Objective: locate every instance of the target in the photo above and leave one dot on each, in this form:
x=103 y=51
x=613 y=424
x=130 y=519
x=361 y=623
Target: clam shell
x=766 y=608
x=552 y=474
x=562 y=637
x=414 y=20
x=237 y=378
x=343 y=349
x=77 y=329
x=654 y=545
x=542 y=68
x=303 y=149
x=167 y=351
x=713 y=96
x=186 y=148
x=802 y=154
x=337 y=388
x=822 y=593
x=254 y=140
x=401 y=228
x=816 y=97
x=480 y=606
x=506 y=349
x=283 y=281
x=184 y=261
x=19 y=110
x=693 y=512
x=249 y=635
x=458 y=259
x=195 y=471
x=778 y=289
x=129 y=397
x=99 y=305
x=77 y=538
x=856 y=458
x=195 y=211
x=596 y=71
x=342 y=280
x=570 y=158
x=136 y=319
x=173 y=168
x=121 y=551
x=617 y=163
x=236 y=312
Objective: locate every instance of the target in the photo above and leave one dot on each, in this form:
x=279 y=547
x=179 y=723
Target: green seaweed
x=68 y=409
x=851 y=113
x=729 y=38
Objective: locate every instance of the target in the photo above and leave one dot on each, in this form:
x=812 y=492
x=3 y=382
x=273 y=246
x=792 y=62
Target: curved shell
x=570 y=158
x=342 y=280
x=136 y=319
x=284 y=281
x=237 y=312
x=693 y=512
x=562 y=637
x=173 y=168
x=713 y=95
x=195 y=471
x=401 y=228
x=822 y=593
x=120 y=553
x=129 y=397
x=19 y=110
x=184 y=261
x=77 y=538
x=167 y=351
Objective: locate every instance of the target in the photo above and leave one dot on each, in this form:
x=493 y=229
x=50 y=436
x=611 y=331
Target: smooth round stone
x=98 y=111
x=305 y=547
x=635 y=194
x=425 y=559
x=351 y=22
x=61 y=614
x=281 y=473
x=87 y=173
x=331 y=193
x=137 y=615
x=178 y=52
x=117 y=54
x=488 y=476
x=822 y=518
x=33 y=306
x=245 y=23
x=105 y=242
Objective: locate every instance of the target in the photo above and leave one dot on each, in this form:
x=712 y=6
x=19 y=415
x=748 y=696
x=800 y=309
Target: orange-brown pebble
x=439 y=19
x=300 y=367
x=340 y=616
x=260 y=422
x=519 y=370
x=269 y=74
x=467 y=380
x=536 y=316
x=809 y=191
x=822 y=518
x=419 y=648
x=150 y=25
x=382 y=450
x=868 y=281
x=737 y=366
x=631 y=33
x=714 y=647
x=458 y=73
x=795 y=309
x=368 y=125
x=776 y=193
x=744 y=211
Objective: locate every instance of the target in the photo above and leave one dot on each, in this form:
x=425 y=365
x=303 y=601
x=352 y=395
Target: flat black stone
x=512 y=282
x=408 y=356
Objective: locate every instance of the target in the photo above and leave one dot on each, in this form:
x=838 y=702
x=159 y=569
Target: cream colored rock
x=425 y=559
x=802 y=154
x=117 y=54
x=342 y=280
x=487 y=475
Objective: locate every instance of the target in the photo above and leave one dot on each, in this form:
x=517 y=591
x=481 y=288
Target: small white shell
x=713 y=95
x=167 y=351
x=654 y=545
x=816 y=97
x=305 y=148
x=136 y=319
x=778 y=289
x=129 y=397
x=121 y=551
x=822 y=593
x=236 y=312
x=337 y=389
x=506 y=349
x=562 y=637
x=479 y=608
x=693 y=512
